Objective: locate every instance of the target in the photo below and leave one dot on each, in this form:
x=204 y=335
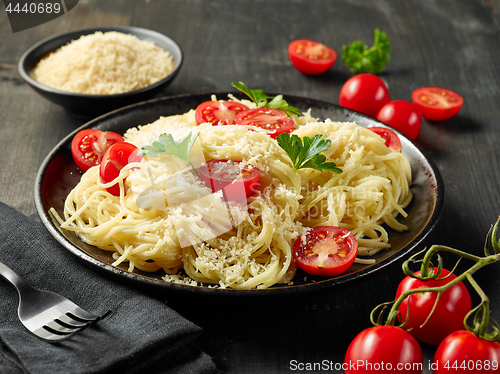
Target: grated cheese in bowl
x=104 y=63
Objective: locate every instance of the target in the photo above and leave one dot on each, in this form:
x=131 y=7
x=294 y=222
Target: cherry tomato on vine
x=364 y=93
x=462 y=352
x=89 y=145
x=310 y=57
x=382 y=349
x=275 y=121
x=235 y=180
x=448 y=316
x=218 y=112
x=391 y=138
x=115 y=159
x=437 y=103
x=403 y=116
x=328 y=251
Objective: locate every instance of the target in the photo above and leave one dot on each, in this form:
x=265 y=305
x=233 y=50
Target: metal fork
x=47 y=314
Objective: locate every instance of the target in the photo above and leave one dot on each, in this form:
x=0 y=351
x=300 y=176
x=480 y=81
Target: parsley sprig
x=305 y=152
x=265 y=101
x=166 y=144
x=361 y=59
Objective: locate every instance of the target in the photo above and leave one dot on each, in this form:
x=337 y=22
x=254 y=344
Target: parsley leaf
x=361 y=59
x=261 y=99
x=304 y=152
x=166 y=144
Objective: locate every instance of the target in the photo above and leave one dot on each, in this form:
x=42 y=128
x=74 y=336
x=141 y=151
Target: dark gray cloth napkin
x=139 y=335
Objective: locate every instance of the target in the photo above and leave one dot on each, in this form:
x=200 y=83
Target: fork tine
x=71 y=321
x=82 y=314
x=72 y=310
x=59 y=322
x=48 y=335
x=59 y=328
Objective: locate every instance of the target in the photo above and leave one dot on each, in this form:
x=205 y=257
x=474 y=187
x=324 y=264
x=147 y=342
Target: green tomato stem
x=480 y=263
x=424 y=271
x=480 y=328
x=485 y=302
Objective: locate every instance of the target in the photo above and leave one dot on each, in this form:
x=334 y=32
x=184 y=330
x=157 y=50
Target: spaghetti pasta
x=166 y=218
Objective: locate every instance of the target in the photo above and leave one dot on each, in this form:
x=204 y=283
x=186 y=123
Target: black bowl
x=93 y=105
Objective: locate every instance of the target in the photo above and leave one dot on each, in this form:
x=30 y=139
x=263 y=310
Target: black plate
x=59 y=174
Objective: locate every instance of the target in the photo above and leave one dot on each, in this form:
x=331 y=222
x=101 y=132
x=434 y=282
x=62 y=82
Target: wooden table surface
x=449 y=43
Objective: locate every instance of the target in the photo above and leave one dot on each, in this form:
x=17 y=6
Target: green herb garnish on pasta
x=305 y=152
x=262 y=100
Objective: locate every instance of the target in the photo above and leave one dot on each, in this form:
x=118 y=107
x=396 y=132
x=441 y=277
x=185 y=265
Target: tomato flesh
x=310 y=57
x=274 y=121
x=391 y=138
x=89 y=145
x=403 y=116
x=437 y=103
x=364 y=93
x=462 y=352
x=218 y=112
x=328 y=251
x=448 y=316
x=236 y=181
x=114 y=160
x=382 y=349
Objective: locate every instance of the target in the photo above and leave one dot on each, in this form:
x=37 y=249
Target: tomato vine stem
x=482 y=320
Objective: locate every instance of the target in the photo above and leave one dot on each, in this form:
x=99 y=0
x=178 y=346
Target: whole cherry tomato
x=448 y=315
x=364 y=93
x=403 y=116
x=462 y=352
x=382 y=349
x=89 y=145
x=310 y=57
x=437 y=103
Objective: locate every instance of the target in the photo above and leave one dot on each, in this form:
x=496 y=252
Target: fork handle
x=12 y=277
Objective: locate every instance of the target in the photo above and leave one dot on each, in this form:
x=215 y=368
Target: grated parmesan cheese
x=103 y=64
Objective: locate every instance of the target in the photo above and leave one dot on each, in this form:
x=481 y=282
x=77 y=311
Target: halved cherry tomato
x=310 y=57
x=235 y=180
x=364 y=93
x=115 y=158
x=403 y=116
x=328 y=250
x=89 y=145
x=462 y=352
x=437 y=103
x=448 y=314
x=391 y=138
x=218 y=112
x=383 y=349
x=275 y=121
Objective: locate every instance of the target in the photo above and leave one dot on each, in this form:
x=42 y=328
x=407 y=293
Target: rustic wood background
x=449 y=43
